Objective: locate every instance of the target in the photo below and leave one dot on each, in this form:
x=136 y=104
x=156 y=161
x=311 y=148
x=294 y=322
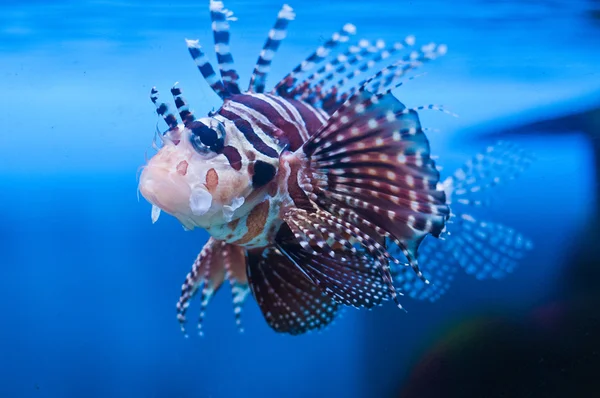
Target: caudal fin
x=486 y=250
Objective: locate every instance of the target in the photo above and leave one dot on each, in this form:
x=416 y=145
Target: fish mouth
x=174 y=181
x=165 y=188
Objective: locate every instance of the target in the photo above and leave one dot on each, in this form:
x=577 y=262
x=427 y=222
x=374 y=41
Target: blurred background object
x=552 y=350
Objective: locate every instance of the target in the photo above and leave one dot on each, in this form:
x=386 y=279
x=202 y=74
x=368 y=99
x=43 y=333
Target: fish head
x=197 y=175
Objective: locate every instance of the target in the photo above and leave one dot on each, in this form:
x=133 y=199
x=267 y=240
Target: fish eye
x=205 y=138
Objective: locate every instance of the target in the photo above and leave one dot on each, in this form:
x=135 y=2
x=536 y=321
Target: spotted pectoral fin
x=216 y=262
x=368 y=170
x=289 y=300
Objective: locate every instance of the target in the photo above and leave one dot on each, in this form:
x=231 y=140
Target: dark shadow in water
x=594 y=11
x=582 y=121
x=552 y=351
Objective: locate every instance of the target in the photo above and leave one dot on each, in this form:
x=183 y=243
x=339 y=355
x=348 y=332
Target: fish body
x=316 y=194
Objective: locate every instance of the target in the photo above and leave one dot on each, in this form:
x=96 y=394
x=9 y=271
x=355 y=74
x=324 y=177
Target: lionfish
x=313 y=190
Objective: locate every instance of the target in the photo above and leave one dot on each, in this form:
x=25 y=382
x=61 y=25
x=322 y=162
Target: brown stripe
x=291 y=132
x=293 y=137
x=233 y=156
x=272 y=188
x=255 y=222
x=246 y=128
x=296 y=193
x=311 y=121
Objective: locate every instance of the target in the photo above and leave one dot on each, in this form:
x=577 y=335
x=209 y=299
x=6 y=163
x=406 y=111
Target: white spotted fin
x=369 y=174
x=483 y=249
x=290 y=301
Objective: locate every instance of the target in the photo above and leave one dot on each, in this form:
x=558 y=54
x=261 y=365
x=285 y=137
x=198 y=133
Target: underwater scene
x=269 y=198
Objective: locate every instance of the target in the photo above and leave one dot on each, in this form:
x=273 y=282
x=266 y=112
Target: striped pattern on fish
x=315 y=194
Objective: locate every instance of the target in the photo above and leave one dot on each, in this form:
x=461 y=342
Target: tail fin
x=483 y=249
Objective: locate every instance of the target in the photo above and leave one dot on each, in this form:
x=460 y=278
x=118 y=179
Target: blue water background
x=88 y=285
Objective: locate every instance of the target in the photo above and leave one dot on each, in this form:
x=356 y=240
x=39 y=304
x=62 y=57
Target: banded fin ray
x=276 y=35
x=353 y=54
x=182 y=106
x=289 y=81
x=482 y=249
x=234 y=262
x=220 y=17
x=438 y=267
x=162 y=109
x=381 y=55
x=216 y=262
x=352 y=69
x=385 y=80
x=206 y=69
x=498 y=164
x=485 y=249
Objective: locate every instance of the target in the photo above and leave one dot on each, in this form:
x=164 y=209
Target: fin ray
x=353 y=69
x=438 y=267
x=206 y=69
x=220 y=17
x=286 y=84
x=276 y=35
x=216 y=262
